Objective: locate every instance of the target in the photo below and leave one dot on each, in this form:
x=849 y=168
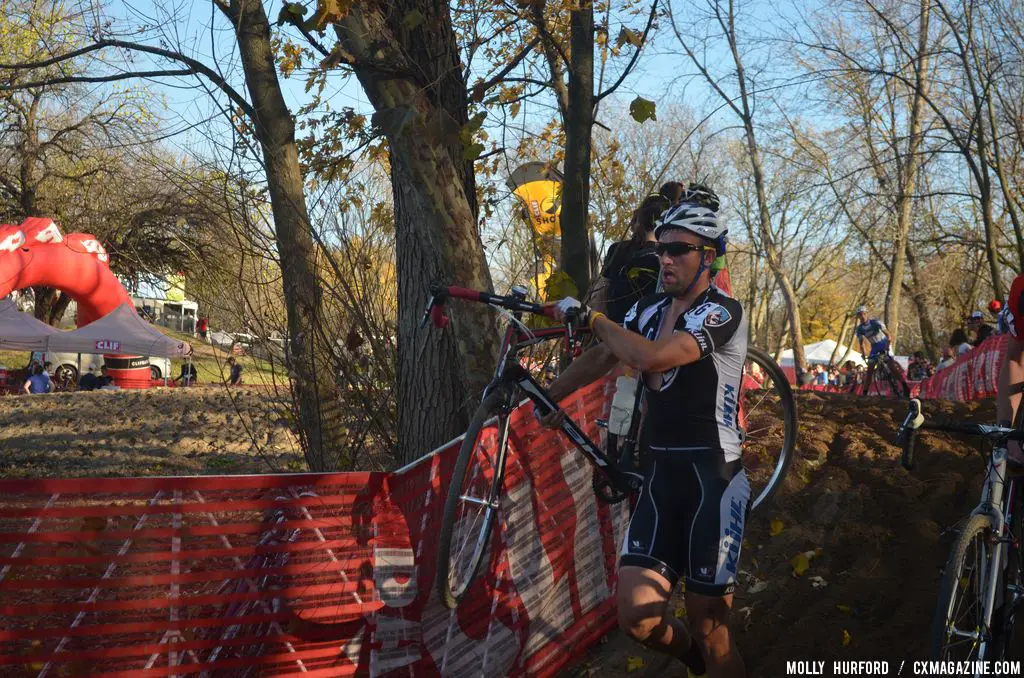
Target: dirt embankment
x=178 y=431
x=883 y=534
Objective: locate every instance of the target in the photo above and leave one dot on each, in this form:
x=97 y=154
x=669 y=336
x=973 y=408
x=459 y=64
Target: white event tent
x=20 y=331
x=120 y=331
x=820 y=352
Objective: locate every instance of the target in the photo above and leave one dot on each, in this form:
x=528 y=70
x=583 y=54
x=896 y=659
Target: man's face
x=973 y=323
x=862 y=316
x=678 y=271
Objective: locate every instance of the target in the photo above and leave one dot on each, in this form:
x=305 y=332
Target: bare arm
x=1010 y=377
x=674 y=350
x=589 y=367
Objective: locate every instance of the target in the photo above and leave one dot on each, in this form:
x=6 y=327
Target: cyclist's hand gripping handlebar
x=907 y=435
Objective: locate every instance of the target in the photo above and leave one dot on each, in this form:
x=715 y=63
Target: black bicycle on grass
x=471 y=507
x=982 y=586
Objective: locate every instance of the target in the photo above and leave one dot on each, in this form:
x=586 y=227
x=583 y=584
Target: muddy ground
x=883 y=534
x=166 y=431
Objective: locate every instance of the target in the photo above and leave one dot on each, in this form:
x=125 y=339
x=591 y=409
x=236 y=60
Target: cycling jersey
x=874 y=331
x=695 y=406
x=632 y=274
x=690 y=516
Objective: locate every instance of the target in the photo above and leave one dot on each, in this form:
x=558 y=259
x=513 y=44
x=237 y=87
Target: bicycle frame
x=510 y=374
x=998 y=494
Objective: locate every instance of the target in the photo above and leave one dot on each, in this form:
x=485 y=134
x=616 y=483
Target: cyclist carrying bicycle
x=872 y=331
x=690 y=343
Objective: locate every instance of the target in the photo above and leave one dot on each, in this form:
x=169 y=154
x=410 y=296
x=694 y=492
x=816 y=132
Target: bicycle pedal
x=603 y=423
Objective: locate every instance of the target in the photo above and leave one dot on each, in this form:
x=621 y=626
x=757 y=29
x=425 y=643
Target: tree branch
x=479 y=89
x=636 y=55
x=194 y=68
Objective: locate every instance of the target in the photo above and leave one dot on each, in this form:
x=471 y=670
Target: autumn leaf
x=291 y=13
x=680 y=611
x=643 y=110
x=800 y=563
x=628 y=36
x=846 y=637
x=327 y=12
x=472 y=151
x=514 y=108
x=776 y=527
x=634 y=664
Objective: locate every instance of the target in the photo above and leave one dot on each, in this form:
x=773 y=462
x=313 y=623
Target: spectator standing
x=958 y=340
x=948 y=358
x=979 y=328
x=919 y=368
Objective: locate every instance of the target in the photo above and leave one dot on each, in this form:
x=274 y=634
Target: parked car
x=64 y=366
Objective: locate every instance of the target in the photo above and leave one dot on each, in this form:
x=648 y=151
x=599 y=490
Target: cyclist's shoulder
x=647 y=305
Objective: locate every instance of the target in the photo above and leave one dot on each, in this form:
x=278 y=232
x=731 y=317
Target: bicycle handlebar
x=440 y=293
x=914 y=421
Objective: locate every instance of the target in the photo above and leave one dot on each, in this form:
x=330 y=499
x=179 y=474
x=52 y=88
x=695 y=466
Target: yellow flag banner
x=539 y=186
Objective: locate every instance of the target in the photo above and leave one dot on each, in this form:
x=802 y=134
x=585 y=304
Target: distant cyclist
x=873 y=333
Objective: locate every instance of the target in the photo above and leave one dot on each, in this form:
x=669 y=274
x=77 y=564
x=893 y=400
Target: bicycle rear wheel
x=959 y=631
x=473 y=500
x=769 y=421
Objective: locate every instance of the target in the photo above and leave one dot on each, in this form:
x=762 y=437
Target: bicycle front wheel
x=473 y=501
x=769 y=421
x=959 y=630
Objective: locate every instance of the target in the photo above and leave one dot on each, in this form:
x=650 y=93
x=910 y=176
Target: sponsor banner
x=320 y=574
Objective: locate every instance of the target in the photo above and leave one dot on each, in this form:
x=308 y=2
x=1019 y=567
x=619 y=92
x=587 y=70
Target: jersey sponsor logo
x=729 y=406
x=734 y=533
x=717 y=317
x=631 y=313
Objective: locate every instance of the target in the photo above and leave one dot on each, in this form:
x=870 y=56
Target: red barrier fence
x=974 y=375
x=320 y=574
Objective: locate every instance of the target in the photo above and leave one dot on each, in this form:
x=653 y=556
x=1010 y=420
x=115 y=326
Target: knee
x=717 y=644
x=637 y=623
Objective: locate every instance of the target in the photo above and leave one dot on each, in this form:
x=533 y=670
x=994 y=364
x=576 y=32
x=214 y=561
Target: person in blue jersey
x=872 y=332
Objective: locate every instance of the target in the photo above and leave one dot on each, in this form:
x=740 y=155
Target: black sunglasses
x=676 y=249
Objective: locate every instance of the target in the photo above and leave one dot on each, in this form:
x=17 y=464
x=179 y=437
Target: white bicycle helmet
x=691 y=217
x=861 y=309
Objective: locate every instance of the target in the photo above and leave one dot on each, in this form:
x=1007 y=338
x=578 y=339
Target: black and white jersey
x=695 y=406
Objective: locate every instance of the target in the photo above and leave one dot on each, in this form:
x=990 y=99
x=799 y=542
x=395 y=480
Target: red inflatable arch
x=37 y=253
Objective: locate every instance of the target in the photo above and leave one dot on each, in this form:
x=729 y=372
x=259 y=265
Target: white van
x=65 y=365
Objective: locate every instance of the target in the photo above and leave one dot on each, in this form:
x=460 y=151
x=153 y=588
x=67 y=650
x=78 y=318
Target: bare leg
x=708 y=615
x=642 y=598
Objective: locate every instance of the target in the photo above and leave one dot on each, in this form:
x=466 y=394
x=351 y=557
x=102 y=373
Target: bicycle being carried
x=476 y=485
x=982 y=588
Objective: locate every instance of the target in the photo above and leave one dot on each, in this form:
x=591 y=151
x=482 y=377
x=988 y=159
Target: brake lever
x=435 y=307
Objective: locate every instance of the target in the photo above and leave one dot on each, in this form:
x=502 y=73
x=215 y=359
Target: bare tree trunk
x=923 y=306
x=578 y=125
x=908 y=176
x=310 y=354
x=420 y=102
